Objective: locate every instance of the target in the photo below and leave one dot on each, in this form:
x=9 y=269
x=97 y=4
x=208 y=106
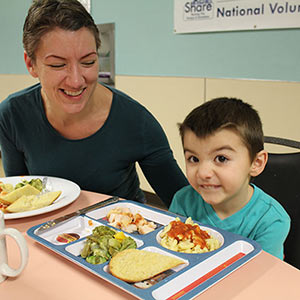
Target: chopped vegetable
x=37 y=183
x=120 y=236
x=104 y=243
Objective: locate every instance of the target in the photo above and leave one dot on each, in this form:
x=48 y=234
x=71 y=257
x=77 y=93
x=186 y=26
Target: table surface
x=50 y=276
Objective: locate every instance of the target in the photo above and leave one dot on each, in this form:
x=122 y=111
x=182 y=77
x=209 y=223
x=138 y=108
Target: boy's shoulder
x=266 y=202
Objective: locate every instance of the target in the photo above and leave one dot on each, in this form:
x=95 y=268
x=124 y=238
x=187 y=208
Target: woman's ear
x=259 y=163
x=30 y=65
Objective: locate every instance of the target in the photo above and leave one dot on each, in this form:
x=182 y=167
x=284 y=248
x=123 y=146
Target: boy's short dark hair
x=226 y=113
x=44 y=15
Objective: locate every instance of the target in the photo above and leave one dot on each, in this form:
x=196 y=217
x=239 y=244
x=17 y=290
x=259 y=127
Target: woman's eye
x=221 y=159
x=57 y=66
x=89 y=63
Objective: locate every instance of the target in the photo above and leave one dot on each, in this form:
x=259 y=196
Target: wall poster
x=230 y=15
x=86 y=4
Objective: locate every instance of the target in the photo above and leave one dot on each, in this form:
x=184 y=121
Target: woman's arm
x=159 y=165
x=12 y=159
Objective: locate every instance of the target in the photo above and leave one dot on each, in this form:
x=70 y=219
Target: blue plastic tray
x=198 y=273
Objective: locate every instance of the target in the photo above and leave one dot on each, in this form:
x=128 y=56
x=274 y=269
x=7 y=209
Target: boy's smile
x=219 y=168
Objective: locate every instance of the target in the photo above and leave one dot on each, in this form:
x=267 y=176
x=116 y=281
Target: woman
x=71 y=126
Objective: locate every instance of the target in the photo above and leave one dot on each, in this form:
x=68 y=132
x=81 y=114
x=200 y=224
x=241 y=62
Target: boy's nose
x=204 y=170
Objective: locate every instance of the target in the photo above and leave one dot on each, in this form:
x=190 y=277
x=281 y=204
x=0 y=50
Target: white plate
x=69 y=193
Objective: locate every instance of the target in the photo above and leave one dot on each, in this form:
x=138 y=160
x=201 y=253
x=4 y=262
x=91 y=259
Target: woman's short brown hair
x=44 y=15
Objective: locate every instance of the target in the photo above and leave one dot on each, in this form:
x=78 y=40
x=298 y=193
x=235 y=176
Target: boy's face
x=218 y=167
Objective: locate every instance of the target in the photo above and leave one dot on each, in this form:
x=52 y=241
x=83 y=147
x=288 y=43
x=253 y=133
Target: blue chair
x=281 y=180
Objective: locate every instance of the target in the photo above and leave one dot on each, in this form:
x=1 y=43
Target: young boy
x=224 y=148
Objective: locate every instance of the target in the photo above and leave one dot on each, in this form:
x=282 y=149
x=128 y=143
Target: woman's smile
x=73 y=93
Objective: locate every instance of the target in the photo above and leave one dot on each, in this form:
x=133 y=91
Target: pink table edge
x=50 y=276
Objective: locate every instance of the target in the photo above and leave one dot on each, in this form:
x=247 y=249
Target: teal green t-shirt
x=104 y=162
x=262 y=219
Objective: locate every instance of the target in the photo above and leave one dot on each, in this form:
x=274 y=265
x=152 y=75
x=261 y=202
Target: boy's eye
x=221 y=159
x=193 y=159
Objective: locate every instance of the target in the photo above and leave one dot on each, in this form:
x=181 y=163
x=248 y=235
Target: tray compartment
x=204 y=272
x=80 y=225
x=76 y=247
x=159 y=218
x=161 y=251
x=214 y=233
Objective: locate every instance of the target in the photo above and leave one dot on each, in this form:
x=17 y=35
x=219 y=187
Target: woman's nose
x=75 y=77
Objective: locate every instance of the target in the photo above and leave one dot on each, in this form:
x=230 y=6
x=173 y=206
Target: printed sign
x=86 y=4
x=229 y=15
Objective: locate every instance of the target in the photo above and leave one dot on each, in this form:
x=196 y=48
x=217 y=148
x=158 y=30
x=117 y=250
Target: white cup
x=5 y=270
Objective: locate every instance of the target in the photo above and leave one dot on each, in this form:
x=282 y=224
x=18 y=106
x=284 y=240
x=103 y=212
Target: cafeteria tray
x=186 y=281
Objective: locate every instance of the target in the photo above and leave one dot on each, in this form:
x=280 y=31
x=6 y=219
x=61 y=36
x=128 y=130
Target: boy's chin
x=212 y=199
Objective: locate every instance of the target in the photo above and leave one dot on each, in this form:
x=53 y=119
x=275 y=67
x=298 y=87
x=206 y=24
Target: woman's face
x=67 y=66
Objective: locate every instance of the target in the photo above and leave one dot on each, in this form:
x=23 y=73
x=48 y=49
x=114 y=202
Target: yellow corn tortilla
x=25 y=190
x=31 y=202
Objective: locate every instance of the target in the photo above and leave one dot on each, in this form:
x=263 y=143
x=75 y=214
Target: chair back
x=281 y=180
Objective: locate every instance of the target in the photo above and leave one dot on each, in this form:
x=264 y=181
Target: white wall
x=170 y=99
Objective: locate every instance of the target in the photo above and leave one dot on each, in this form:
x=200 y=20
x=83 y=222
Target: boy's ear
x=30 y=65
x=259 y=163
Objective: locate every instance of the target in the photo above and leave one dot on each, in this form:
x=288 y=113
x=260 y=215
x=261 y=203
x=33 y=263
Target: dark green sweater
x=103 y=162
